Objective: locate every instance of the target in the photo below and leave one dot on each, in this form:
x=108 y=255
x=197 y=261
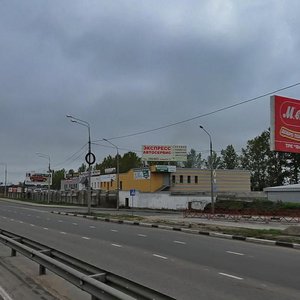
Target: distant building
x=284 y=193
x=165 y=178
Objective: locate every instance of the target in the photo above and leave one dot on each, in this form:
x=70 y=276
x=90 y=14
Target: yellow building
x=179 y=180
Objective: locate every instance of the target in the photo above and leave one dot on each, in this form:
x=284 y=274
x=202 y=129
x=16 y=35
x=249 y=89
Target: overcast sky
x=135 y=65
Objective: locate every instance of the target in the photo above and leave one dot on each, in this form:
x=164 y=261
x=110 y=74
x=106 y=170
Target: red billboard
x=285 y=124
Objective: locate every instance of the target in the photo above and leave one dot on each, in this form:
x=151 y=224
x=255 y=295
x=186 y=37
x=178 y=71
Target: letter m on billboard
x=285 y=124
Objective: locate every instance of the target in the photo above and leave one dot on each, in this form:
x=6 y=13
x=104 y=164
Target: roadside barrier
x=100 y=284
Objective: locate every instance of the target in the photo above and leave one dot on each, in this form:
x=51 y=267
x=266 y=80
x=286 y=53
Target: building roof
x=284 y=188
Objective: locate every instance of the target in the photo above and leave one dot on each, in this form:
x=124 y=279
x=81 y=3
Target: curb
x=187 y=230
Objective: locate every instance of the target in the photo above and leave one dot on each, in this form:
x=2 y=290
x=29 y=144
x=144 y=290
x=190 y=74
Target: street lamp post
x=49 y=171
x=86 y=124
x=5 y=178
x=211 y=171
x=118 y=172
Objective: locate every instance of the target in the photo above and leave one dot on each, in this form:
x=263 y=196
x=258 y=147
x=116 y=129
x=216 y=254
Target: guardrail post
x=42 y=270
x=13 y=252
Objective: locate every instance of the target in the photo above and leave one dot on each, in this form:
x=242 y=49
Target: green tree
x=82 y=168
x=230 y=159
x=293 y=165
x=57 y=176
x=194 y=160
x=216 y=161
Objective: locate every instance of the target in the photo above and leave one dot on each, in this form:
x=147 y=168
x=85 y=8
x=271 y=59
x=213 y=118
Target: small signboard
x=132 y=192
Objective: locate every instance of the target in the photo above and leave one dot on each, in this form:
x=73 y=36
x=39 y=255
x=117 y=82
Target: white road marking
x=4 y=294
x=235 y=253
x=92 y=226
x=231 y=276
x=60 y=221
x=21 y=222
x=86 y=238
x=46 y=228
x=179 y=242
x=62 y=232
x=4 y=217
x=12 y=219
x=160 y=256
x=75 y=224
x=114 y=230
x=117 y=245
x=32 y=225
x=142 y=235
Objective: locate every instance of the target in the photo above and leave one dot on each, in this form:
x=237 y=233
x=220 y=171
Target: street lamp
x=86 y=124
x=118 y=172
x=47 y=156
x=211 y=171
x=5 y=177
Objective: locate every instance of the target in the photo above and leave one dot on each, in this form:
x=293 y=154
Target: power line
x=71 y=158
x=203 y=115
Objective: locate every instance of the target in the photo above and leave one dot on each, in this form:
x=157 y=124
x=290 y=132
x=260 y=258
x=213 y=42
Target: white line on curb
x=231 y=276
x=179 y=242
x=160 y=256
x=4 y=294
x=236 y=253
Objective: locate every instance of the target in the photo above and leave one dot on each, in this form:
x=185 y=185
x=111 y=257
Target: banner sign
x=164 y=153
x=141 y=174
x=165 y=168
x=38 y=178
x=285 y=124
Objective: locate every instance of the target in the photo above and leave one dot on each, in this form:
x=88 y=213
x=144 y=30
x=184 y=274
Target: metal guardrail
x=100 y=284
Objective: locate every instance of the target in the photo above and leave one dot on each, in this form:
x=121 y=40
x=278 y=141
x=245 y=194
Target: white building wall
x=160 y=200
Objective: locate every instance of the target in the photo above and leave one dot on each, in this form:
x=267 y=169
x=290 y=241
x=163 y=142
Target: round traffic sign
x=90 y=158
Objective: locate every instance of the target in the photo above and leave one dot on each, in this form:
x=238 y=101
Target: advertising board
x=33 y=178
x=143 y=173
x=285 y=124
x=164 y=153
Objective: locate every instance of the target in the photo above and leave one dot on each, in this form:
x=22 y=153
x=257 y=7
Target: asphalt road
x=182 y=265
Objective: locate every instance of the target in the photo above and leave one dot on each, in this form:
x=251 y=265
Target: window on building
x=189 y=179
x=196 y=179
x=181 y=178
x=173 y=179
x=121 y=185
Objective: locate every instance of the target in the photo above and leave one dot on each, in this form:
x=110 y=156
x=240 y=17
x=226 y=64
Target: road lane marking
x=4 y=294
x=12 y=219
x=92 y=227
x=114 y=230
x=62 y=232
x=142 y=235
x=60 y=221
x=231 y=276
x=4 y=217
x=32 y=225
x=117 y=245
x=179 y=242
x=75 y=224
x=160 y=256
x=235 y=253
x=21 y=222
x=46 y=228
x=86 y=238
